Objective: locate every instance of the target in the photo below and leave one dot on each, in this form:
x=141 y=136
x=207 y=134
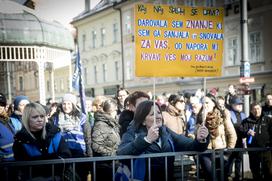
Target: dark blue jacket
x=75 y=138
x=6 y=141
x=16 y=121
x=25 y=146
x=237 y=125
x=133 y=143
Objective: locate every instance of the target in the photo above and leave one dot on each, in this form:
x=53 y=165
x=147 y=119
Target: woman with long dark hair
x=148 y=136
x=221 y=129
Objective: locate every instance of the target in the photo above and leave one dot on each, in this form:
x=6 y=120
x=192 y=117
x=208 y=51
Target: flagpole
x=77 y=81
x=154 y=93
x=204 y=102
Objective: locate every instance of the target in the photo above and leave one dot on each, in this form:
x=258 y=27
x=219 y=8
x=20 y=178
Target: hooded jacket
x=105 y=135
x=16 y=120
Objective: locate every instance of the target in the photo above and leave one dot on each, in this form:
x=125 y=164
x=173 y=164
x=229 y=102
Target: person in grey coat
x=148 y=136
x=105 y=137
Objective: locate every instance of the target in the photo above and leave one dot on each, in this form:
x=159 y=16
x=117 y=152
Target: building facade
x=100 y=49
x=99 y=64
x=28 y=45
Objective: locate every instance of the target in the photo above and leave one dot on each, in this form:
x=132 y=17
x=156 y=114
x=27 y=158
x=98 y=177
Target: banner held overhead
x=178 y=41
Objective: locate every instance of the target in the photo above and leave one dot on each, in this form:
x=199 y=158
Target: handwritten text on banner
x=178 y=40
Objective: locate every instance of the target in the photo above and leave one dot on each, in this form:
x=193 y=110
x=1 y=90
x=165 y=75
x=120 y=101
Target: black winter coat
x=263 y=129
x=124 y=120
x=267 y=110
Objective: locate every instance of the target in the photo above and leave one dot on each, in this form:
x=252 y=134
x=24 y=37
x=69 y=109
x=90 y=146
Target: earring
x=143 y=123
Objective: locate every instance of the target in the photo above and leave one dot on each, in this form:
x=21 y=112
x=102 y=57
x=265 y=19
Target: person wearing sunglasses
x=174 y=115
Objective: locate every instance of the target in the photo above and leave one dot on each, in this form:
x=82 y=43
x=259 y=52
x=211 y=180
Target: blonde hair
x=26 y=116
x=98 y=103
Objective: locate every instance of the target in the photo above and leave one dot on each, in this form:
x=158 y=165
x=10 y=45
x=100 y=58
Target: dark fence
x=16 y=170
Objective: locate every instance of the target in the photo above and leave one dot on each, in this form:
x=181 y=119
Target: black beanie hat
x=209 y=95
x=174 y=98
x=3 y=100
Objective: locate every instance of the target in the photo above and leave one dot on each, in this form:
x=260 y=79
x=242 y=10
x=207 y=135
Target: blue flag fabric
x=78 y=85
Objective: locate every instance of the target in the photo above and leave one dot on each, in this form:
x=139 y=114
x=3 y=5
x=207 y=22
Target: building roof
x=20 y=26
x=101 y=6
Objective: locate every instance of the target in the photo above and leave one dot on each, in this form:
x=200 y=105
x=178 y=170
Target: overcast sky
x=62 y=11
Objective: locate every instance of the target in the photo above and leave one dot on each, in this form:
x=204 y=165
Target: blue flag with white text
x=77 y=83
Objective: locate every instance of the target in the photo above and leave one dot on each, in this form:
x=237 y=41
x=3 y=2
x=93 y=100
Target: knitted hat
x=3 y=100
x=70 y=97
x=17 y=101
x=236 y=100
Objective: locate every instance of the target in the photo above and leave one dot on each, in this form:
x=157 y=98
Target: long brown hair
x=142 y=111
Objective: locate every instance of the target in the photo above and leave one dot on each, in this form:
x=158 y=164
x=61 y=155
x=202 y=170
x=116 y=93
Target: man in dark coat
x=267 y=108
x=257 y=128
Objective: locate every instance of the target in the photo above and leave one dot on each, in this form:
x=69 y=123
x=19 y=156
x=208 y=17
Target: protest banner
x=178 y=41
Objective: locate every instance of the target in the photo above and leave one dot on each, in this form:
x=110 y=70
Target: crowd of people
x=132 y=124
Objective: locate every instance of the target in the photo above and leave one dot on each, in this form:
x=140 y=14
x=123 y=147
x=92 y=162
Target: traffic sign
x=245 y=69
x=247 y=80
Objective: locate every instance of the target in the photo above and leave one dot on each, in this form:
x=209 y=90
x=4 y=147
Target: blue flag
x=77 y=83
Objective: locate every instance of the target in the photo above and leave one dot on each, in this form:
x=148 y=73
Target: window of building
x=128 y=71
x=104 y=67
x=21 y=83
x=116 y=65
x=61 y=85
x=128 y=23
x=84 y=42
x=190 y=3
x=255 y=47
x=93 y=39
x=48 y=86
x=172 y=2
x=103 y=36
x=95 y=74
x=210 y=3
x=115 y=32
x=233 y=51
x=36 y=82
x=55 y=86
x=157 y=2
x=85 y=76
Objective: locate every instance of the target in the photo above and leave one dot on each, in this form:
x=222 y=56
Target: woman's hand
x=153 y=133
x=202 y=134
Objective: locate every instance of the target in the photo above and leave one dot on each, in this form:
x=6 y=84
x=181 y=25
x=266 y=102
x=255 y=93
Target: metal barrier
x=216 y=154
